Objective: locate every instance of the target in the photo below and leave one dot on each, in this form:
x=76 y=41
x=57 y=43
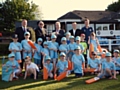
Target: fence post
x=109 y=45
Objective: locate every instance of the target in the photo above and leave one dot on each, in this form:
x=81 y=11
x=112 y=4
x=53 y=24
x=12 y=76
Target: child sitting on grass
x=108 y=68
x=47 y=63
x=94 y=62
x=31 y=68
x=62 y=64
x=116 y=60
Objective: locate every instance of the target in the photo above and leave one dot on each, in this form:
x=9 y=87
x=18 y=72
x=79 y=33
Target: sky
x=53 y=9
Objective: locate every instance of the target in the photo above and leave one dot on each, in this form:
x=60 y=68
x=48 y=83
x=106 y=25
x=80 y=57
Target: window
x=98 y=27
x=105 y=26
x=117 y=26
x=111 y=27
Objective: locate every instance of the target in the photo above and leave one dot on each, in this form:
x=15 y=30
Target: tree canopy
x=114 y=6
x=16 y=10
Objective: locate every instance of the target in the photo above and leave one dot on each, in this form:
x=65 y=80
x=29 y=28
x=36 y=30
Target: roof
x=92 y=15
x=70 y=15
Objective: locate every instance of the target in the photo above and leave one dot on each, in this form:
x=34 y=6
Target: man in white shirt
x=75 y=32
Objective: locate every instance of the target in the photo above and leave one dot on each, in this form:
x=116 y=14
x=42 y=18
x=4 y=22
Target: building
x=104 y=23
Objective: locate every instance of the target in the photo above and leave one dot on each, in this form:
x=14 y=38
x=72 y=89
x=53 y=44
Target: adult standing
x=74 y=31
x=20 y=32
x=87 y=30
x=40 y=31
x=58 y=32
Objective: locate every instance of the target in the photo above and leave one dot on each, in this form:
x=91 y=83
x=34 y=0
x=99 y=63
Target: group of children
x=55 y=57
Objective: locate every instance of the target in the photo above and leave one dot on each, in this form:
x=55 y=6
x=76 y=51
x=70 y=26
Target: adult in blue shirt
x=87 y=30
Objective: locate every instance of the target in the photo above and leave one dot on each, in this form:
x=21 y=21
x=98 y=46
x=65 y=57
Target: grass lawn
x=69 y=83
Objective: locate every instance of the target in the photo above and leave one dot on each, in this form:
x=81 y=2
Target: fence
x=111 y=44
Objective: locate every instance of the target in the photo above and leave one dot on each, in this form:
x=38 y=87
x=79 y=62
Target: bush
x=4 y=49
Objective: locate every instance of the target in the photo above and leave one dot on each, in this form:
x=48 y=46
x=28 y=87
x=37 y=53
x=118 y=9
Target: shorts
x=37 y=61
x=78 y=74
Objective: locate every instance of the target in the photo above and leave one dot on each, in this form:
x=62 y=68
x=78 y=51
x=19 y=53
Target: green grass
x=69 y=83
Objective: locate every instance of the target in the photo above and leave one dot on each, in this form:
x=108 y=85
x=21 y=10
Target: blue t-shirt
x=49 y=67
x=16 y=46
x=53 y=45
x=77 y=61
x=46 y=51
x=87 y=32
x=37 y=54
x=109 y=65
x=93 y=63
x=117 y=62
x=71 y=46
x=63 y=47
x=80 y=45
x=13 y=64
x=62 y=65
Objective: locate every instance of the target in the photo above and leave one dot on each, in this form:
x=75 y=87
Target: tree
x=15 y=10
x=114 y=6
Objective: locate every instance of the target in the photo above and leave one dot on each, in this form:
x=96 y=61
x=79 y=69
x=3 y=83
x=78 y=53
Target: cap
x=53 y=36
x=116 y=51
x=83 y=35
x=11 y=55
x=68 y=33
x=47 y=58
x=77 y=38
x=15 y=36
x=63 y=38
x=108 y=54
x=26 y=33
x=39 y=39
x=77 y=47
x=45 y=43
x=71 y=37
x=62 y=54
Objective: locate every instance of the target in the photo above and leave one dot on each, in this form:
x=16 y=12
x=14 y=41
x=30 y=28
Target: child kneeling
x=31 y=69
x=12 y=69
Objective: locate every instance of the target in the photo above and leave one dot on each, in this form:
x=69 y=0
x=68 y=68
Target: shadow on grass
x=77 y=82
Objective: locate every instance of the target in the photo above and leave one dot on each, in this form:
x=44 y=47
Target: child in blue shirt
x=53 y=47
x=27 y=50
x=63 y=47
x=13 y=64
x=16 y=48
x=94 y=41
x=79 y=44
x=116 y=60
x=45 y=50
x=62 y=64
x=71 y=47
x=49 y=66
x=108 y=68
x=78 y=60
x=94 y=62
x=37 y=52
x=68 y=34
